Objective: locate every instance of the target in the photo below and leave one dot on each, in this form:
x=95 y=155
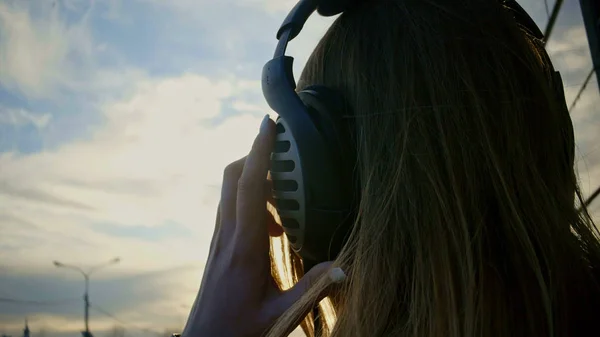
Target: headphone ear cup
x=288 y=184
x=312 y=192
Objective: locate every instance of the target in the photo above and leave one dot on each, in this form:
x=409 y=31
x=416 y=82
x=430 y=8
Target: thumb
x=292 y=295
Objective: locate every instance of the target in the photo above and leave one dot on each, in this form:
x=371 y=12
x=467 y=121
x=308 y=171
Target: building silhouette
x=26 y=330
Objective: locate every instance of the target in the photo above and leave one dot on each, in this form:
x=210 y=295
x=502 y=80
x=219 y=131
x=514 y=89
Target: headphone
x=314 y=186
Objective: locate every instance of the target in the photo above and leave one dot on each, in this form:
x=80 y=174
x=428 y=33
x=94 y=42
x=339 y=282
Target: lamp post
x=86 y=276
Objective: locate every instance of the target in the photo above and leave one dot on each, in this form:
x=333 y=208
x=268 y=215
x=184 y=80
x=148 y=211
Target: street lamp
x=86 y=276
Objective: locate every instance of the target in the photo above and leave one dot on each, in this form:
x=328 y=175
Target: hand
x=238 y=296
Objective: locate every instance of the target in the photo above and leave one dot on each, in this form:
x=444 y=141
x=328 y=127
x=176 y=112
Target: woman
x=468 y=221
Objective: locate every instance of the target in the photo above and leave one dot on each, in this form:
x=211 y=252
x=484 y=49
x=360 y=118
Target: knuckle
x=233 y=170
x=230 y=170
x=310 y=282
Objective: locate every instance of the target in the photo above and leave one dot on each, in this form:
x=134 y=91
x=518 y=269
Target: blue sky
x=116 y=120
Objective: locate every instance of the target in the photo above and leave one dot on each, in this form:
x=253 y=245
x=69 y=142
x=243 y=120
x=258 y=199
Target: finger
x=231 y=176
x=292 y=295
x=213 y=250
x=251 y=188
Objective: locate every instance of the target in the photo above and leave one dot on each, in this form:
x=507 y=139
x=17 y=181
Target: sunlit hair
x=468 y=222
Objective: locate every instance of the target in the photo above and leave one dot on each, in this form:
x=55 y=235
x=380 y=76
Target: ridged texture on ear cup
x=288 y=187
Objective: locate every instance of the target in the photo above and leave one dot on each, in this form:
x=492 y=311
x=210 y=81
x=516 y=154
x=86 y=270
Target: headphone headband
x=278 y=71
x=304 y=8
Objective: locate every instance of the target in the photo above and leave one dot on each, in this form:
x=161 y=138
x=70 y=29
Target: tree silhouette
x=42 y=332
x=169 y=332
x=117 y=331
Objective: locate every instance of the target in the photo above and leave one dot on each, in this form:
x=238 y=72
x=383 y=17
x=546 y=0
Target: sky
x=117 y=118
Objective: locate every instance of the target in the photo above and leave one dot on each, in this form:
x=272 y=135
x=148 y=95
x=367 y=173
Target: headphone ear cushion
x=323 y=98
x=326 y=107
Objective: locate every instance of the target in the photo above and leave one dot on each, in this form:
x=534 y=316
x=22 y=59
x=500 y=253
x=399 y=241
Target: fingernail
x=265 y=124
x=337 y=275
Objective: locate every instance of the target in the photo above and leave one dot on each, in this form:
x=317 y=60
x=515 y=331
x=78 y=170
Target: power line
x=29 y=302
x=108 y=314
x=582 y=88
x=552 y=20
x=123 y=323
x=591 y=198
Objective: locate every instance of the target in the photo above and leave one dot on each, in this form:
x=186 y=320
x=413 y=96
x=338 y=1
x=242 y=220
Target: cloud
x=48 y=50
x=153 y=165
x=570 y=53
x=267 y=6
x=34 y=51
x=157 y=158
x=245 y=46
x=20 y=117
x=152 y=162
x=12 y=191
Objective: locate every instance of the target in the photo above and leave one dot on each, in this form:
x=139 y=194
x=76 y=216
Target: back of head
x=468 y=222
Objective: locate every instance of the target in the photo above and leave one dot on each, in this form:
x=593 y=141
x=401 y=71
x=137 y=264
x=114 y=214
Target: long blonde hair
x=468 y=223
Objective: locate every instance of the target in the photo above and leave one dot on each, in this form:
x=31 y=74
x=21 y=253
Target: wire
x=547 y=10
x=552 y=20
x=106 y=313
x=29 y=302
x=591 y=198
x=581 y=89
x=123 y=323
